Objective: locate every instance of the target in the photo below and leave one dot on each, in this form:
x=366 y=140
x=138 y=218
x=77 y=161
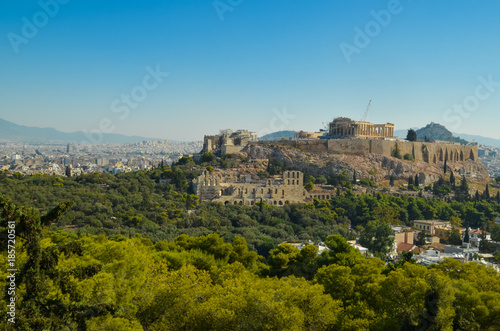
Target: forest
x=135 y=203
x=124 y=252
x=70 y=281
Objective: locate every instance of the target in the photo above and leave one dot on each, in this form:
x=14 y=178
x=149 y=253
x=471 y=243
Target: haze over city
x=178 y=70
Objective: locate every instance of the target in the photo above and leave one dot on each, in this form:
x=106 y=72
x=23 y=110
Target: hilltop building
x=227 y=141
x=343 y=127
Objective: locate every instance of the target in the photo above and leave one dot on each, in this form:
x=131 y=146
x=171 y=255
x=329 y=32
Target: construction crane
x=366 y=112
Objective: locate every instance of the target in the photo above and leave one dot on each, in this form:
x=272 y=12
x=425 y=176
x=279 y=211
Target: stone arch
x=461 y=155
x=281 y=203
x=434 y=160
x=283 y=192
x=252 y=202
x=456 y=156
x=472 y=155
x=287 y=202
x=241 y=202
x=226 y=203
x=441 y=158
x=235 y=202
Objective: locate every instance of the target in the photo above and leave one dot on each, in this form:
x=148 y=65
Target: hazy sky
x=181 y=69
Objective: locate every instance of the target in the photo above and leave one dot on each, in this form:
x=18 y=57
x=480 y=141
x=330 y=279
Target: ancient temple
x=343 y=127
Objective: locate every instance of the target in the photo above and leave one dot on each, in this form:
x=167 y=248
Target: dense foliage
x=159 y=205
x=203 y=283
x=143 y=254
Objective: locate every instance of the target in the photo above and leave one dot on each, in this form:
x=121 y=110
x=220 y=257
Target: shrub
x=409 y=157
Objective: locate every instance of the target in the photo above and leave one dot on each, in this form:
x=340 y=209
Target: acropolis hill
x=360 y=146
x=349 y=137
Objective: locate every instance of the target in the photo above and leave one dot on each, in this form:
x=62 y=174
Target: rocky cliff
x=375 y=167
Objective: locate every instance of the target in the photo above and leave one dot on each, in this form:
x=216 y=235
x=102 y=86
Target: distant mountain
x=433 y=131
x=278 y=135
x=480 y=139
x=19 y=133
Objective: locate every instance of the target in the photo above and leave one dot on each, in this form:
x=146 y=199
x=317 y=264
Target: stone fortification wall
x=434 y=152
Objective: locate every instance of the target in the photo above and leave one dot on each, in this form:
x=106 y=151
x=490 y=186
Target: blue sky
x=265 y=66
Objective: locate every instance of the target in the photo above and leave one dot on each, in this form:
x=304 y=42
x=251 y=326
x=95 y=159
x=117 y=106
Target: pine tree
x=68 y=171
x=463 y=192
x=410 y=182
x=417 y=183
x=477 y=196
x=452 y=180
x=498 y=197
x=391 y=180
x=354 y=179
x=445 y=165
x=486 y=193
x=466 y=236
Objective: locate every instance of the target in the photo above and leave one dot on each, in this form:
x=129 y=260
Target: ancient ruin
x=343 y=127
x=228 y=142
x=248 y=190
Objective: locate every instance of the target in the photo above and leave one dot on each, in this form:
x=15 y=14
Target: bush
x=367 y=182
x=409 y=157
x=396 y=152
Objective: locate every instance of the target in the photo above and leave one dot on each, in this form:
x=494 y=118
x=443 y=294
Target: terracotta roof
x=404 y=247
x=478 y=231
x=437 y=246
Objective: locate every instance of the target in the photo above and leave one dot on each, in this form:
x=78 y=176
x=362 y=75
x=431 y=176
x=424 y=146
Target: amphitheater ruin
x=248 y=190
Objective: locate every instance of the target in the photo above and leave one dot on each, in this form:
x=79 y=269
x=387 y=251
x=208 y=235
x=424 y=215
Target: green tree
x=35 y=310
x=455 y=238
x=309 y=186
x=486 y=193
x=208 y=157
x=321 y=180
x=377 y=237
x=411 y=135
x=396 y=152
x=391 y=180
x=466 y=235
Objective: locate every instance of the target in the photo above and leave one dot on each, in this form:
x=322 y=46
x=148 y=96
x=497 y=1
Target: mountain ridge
x=10 y=131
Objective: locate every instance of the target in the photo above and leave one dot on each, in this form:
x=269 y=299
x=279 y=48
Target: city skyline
x=181 y=70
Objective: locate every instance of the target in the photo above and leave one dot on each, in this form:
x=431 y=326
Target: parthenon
x=342 y=127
